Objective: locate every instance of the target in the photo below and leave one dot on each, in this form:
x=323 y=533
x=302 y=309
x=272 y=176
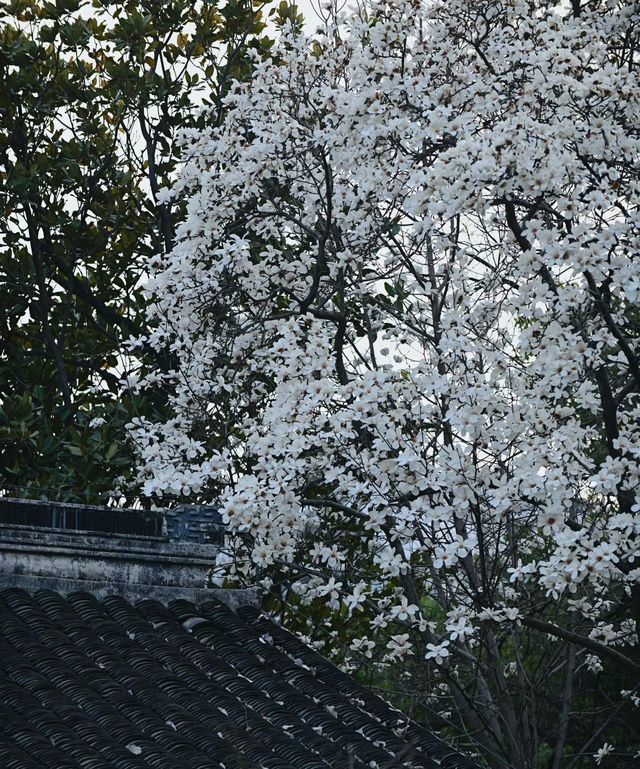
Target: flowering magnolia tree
x=404 y=310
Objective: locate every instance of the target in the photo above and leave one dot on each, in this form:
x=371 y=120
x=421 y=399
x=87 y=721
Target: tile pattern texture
x=89 y=684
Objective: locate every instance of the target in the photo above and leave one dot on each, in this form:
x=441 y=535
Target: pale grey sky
x=309 y=9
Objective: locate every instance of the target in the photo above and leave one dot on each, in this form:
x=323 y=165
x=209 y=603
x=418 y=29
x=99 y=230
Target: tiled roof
x=89 y=684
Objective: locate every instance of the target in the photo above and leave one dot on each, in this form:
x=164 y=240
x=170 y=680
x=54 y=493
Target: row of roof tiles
x=88 y=684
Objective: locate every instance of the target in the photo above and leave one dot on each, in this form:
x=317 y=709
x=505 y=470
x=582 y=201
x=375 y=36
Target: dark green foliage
x=92 y=96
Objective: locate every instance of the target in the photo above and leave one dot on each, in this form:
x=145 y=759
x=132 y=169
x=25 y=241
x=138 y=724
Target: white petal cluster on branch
x=404 y=309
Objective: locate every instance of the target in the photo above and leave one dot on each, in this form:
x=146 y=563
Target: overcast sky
x=309 y=9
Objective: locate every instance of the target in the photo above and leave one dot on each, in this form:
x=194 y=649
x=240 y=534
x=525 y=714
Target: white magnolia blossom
x=404 y=611
x=357 y=597
x=399 y=646
x=437 y=652
x=363 y=646
x=593 y=663
x=404 y=313
x=602 y=752
x=631 y=695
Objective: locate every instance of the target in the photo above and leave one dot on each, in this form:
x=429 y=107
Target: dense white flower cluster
x=405 y=306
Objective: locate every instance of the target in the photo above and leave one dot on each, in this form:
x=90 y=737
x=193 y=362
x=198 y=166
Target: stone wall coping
x=117 y=545
x=233 y=598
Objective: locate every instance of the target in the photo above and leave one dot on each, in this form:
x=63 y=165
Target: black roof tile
x=89 y=684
